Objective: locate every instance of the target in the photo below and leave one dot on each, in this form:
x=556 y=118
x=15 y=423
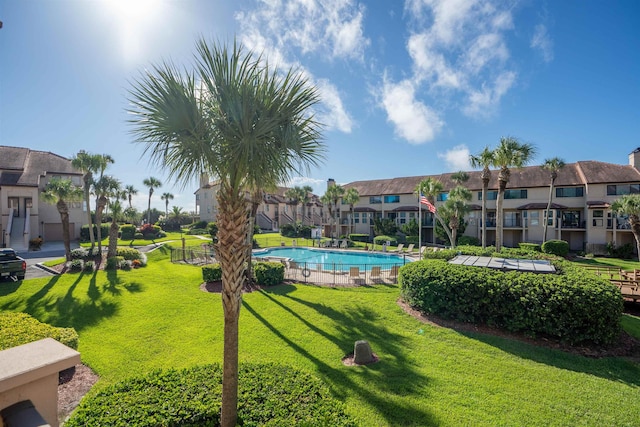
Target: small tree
x=58 y=192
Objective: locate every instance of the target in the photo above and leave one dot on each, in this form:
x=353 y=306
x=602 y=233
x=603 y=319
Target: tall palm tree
x=553 y=166
x=88 y=164
x=166 y=197
x=484 y=160
x=351 y=197
x=58 y=192
x=629 y=204
x=131 y=191
x=304 y=200
x=116 y=213
x=105 y=188
x=509 y=153
x=430 y=188
x=152 y=183
x=331 y=198
x=239 y=121
x=295 y=194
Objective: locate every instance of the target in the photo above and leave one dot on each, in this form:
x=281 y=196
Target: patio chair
x=376 y=274
x=398 y=249
x=344 y=244
x=410 y=248
x=393 y=273
x=354 y=274
x=294 y=267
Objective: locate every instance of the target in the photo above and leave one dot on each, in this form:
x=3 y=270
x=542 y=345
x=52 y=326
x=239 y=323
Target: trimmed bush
x=127 y=232
x=75 y=265
x=79 y=253
x=412 y=239
x=129 y=253
x=138 y=236
x=200 y=224
x=113 y=262
x=89 y=267
x=211 y=273
x=379 y=240
x=574 y=306
x=84 y=231
x=212 y=229
x=150 y=231
x=556 y=247
x=269 y=273
x=357 y=237
x=20 y=328
x=268 y=395
x=197 y=231
x=468 y=241
x=531 y=247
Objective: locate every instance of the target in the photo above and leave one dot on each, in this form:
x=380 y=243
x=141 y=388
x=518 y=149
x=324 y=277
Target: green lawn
x=156 y=317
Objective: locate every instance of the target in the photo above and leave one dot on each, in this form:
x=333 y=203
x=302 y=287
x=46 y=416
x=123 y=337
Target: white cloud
x=459 y=51
x=334 y=116
x=319 y=185
x=542 y=42
x=412 y=119
x=457 y=158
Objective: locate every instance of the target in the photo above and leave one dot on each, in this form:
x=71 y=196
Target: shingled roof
x=579 y=173
x=24 y=167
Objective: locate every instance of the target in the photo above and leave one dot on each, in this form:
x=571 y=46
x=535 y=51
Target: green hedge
x=379 y=240
x=104 y=230
x=211 y=273
x=412 y=239
x=530 y=247
x=268 y=395
x=127 y=231
x=574 y=306
x=359 y=237
x=269 y=273
x=556 y=247
x=20 y=328
x=129 y=253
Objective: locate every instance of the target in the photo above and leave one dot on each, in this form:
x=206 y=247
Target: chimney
x=204 y=180
x=331 y=182
x=634 y=158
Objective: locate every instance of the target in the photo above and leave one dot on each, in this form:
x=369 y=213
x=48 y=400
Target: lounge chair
x=344 y=244
x=393 y=273
x=294 y=267
x=398 y=249
x=354 y=274
x=410 y=248
x=376 y=274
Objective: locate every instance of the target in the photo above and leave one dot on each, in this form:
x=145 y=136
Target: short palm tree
x=552 y=166
x=166 y=197
x=59 y=192
x=484 y=160
x=105 y=188
x=509 y=153
x=88 y=164
x=331 y=197
x=152 y=183
x=351 y=197
x=239 y=121
x=629 y=205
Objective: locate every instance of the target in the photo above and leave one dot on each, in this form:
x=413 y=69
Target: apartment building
x=23 y=175
x=580 y=212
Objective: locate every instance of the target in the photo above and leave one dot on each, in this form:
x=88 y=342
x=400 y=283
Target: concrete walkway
x=529 y=265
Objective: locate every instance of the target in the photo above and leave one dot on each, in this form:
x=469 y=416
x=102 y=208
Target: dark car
x=11 y=265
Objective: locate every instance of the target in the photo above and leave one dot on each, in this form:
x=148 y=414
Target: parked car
x=11 y=265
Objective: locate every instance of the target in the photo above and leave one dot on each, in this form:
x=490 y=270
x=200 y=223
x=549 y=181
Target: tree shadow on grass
x=393 y=374
x=9 y=287
x=611 y=368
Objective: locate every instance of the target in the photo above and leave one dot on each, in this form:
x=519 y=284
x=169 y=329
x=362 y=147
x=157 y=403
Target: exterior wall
x=207 y=203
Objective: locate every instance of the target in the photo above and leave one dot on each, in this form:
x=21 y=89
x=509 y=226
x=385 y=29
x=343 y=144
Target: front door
x=14 y=203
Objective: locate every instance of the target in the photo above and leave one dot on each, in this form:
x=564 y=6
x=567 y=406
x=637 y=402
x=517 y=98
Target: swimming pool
x=333 y=260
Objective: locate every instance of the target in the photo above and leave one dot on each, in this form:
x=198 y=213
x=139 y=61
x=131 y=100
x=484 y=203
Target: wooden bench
x=609 y=272
x=629 y=288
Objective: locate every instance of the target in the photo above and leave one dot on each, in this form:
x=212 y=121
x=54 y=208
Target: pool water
x=330 y=260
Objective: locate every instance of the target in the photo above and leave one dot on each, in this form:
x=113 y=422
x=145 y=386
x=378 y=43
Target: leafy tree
x=152 y=215
x=411 y=228
x=484 y=160
x=166 y=197
x=131 y=215
x=351 y=197
x=509 y=153
x=58 y=192
x=88 y=164
x=629 y=205
x=384 y=227
x=331 y=197
x=239 y=121
x=151 y=183
x=552 y=166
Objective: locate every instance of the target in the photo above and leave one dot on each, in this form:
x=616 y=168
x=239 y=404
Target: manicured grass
x=191 y=240
x=156 y=317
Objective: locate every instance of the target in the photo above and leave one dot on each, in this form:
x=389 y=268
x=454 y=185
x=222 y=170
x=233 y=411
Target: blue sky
x=408 y=88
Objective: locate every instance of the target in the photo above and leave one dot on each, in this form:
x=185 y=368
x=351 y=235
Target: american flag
x=426 y=202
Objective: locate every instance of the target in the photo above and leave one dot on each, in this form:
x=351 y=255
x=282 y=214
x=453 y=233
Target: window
x=375 y=200
x=515 y=194
x=412 y=215
x=534 y=218
x=550 y=218
x=570 y=192
x=392 y=199
x=266 y=208
x=356 y=218
x=491 y=195
x=442 y=197
x=512 y=219
x=622 y=189
x=403 y=217
x=598 y=218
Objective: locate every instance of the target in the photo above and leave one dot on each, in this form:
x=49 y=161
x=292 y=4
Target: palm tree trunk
x=485 y=187
x=64 y=218
x=499 y=199
x=231 y=250
x=546 y=221
x=101 y=203
x=113 y=239
x=87 y=199
x=252 y=221
x=634 y=222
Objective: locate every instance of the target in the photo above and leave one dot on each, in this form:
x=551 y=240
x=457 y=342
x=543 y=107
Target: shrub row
x=266 y=273
x=574 y=306
x=357 y=237
x=20 y=328
x=268 y=395
x=556 y=247
x=379 y=240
